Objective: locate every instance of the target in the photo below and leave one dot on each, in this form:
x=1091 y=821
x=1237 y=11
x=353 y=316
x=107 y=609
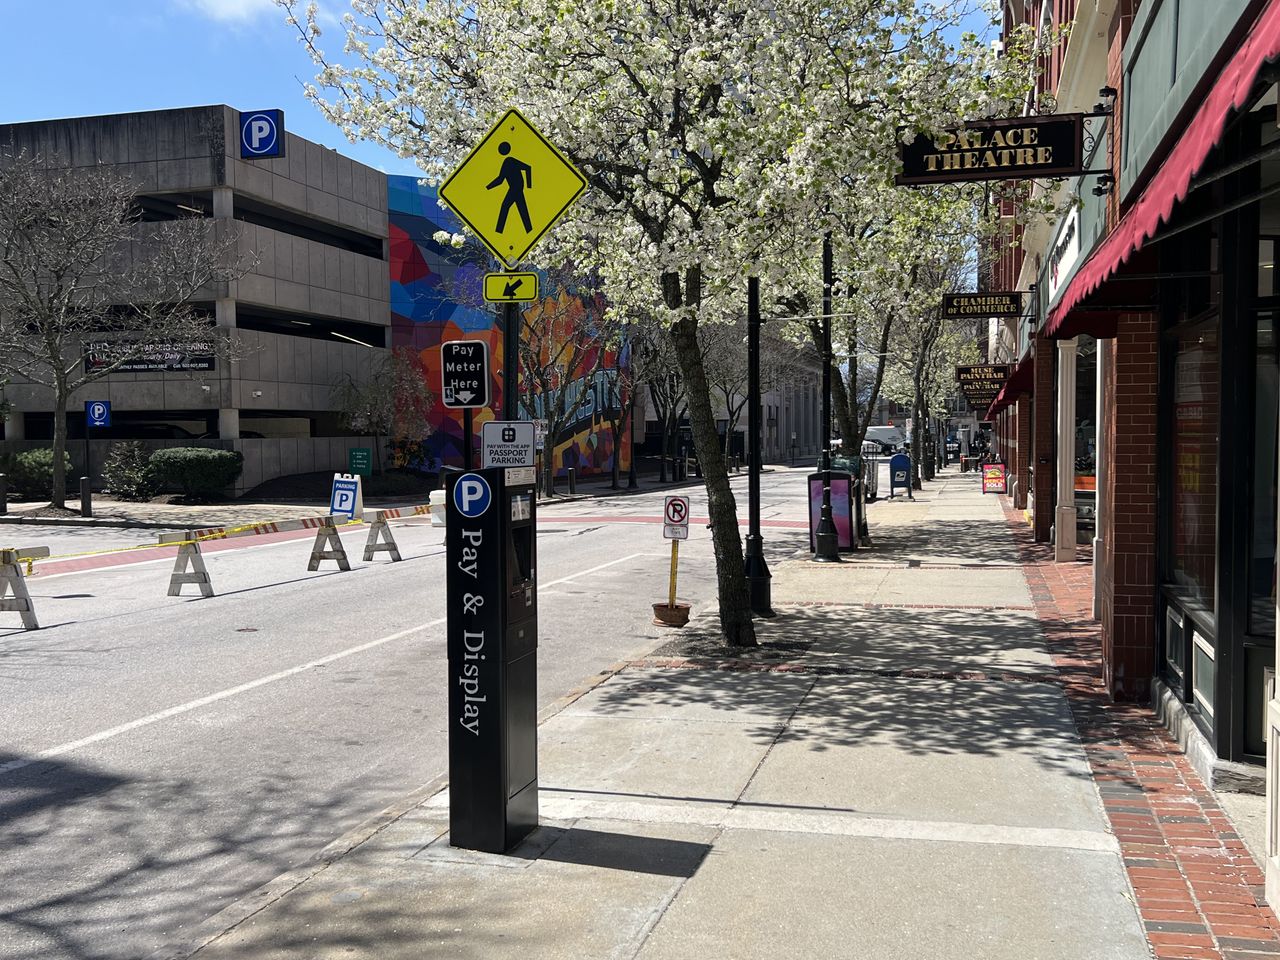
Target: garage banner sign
x=1015 y=148
x=149 y=355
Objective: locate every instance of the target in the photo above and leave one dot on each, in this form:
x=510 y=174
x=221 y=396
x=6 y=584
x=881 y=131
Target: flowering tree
x=711 y=133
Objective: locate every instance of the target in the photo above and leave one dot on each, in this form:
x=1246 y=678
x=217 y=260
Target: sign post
x=675 y=527
x=97 y=413
x=509 y=191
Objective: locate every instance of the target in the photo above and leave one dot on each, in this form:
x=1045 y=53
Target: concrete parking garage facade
x=311 y=310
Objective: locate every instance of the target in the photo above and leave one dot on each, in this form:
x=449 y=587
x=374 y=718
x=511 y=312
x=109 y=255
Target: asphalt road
x=161 y=757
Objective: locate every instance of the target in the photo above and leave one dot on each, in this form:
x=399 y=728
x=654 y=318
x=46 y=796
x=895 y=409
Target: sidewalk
x=916 y=763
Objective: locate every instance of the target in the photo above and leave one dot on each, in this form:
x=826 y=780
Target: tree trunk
x=58 y=495
x=735 y=603
x=917 y=446
x=615 y=426
x=662 y=452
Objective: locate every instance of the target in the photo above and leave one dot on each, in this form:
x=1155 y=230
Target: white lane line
x=14 y=765
x=190 y=705
x=583 y=573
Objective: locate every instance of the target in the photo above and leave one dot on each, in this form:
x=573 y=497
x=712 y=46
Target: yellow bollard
x=675 y=561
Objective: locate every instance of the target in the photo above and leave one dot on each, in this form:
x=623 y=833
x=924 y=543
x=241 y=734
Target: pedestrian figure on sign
x=516 y=176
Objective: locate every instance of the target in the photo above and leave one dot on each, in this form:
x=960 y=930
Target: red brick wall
x=1022 y=449
x=1129 y=515
x=1042 y=432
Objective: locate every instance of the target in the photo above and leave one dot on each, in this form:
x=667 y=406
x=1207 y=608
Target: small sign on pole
x=675 y=518
x=347 y=496
x=360 y=461
x=464 y=374
x=510 y=287
x=507 y=443
x=97 y=413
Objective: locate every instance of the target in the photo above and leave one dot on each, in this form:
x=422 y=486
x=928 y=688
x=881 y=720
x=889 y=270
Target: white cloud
x=231 y=10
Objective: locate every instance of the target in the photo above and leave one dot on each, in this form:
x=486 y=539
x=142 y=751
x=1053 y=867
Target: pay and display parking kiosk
x=491 y=552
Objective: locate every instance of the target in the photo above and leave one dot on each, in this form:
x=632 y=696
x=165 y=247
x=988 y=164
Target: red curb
x=1185 y=861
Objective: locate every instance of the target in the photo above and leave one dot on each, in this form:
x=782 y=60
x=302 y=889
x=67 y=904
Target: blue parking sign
x=345 y=497
x=97 y=413
x=261 y=134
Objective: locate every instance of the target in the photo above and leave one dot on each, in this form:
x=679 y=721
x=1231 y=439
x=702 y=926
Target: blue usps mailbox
x=900 y=474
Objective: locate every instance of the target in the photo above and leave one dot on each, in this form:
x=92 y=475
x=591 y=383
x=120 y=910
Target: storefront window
x=1195 y=461
x=1262 y=551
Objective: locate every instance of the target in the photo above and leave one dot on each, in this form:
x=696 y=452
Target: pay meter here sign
x=464 y=374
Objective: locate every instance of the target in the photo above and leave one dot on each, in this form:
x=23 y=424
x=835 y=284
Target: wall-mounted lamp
x=257 y=393
x=1104 y=109
x=1103 y=185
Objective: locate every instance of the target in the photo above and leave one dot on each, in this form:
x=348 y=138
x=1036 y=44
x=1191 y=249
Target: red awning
x=1021 y=381
x=1172 y=181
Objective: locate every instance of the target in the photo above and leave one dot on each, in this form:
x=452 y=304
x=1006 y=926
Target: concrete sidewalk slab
x=867 y=638
x=956 y=751
x=805 y=896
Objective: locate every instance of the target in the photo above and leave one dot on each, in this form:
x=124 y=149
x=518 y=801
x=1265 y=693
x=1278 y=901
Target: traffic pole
x=510 y=362
x=757 y=569
x=827 y=542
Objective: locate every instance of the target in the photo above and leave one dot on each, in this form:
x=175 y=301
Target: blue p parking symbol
x=261 y=134
x=471 y=495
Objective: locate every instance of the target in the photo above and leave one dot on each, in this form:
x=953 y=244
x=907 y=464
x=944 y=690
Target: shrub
x=196 y=471
x=31 y=472
x=126 y=472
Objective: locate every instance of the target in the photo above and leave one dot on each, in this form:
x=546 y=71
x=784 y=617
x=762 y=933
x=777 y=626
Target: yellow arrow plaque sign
x=510 y=287
x=512 y=187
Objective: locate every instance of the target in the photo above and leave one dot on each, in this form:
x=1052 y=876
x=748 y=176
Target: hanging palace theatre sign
x=1014 y=148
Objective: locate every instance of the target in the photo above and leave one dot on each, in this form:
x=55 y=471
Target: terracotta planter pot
x=676 y=616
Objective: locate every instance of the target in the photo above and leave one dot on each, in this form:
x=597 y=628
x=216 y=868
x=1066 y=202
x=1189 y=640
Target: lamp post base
x=759 y=579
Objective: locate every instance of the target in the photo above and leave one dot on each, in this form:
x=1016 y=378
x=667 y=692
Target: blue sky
x=66 y=58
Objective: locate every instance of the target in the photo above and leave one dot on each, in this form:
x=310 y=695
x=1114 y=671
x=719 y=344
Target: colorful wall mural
x=435 y=294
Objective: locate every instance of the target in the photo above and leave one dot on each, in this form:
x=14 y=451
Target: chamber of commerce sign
x=1017 y=148
x=981 y=382
x=149 y=355
x=963 y=306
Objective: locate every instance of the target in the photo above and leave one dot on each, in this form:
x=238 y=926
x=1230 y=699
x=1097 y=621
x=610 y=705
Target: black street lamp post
x=827 y=544
x=757 y=570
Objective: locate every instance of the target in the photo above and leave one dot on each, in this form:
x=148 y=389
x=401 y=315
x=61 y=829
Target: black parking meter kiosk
x=491 y=551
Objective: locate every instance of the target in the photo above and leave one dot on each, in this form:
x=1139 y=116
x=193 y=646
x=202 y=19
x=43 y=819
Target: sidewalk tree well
x=80 y=267
x=392 y=401
x=710 y=133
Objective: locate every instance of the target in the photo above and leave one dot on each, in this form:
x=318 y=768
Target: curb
x=227 y=919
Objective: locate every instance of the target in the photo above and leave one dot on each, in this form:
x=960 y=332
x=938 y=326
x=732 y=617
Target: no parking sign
x=675 y=518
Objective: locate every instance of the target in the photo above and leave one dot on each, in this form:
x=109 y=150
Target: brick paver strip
x=1199 y=891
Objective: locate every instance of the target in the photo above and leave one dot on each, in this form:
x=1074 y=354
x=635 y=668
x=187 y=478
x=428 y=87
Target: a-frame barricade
x=14 y=595
x=189 y=556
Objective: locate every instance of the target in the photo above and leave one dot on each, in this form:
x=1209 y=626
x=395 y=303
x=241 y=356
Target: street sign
x=675 y=518
x=512 y=187
x=540 y=434
x=346 y=498
x=261 y=134
x=507 y=443
x=464 y=372
x=97 y=413
x=360 y=460
x=510 y=287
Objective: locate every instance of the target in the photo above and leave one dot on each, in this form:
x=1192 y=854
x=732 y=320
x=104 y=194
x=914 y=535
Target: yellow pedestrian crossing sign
x=510 y=287
x=512 y=187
